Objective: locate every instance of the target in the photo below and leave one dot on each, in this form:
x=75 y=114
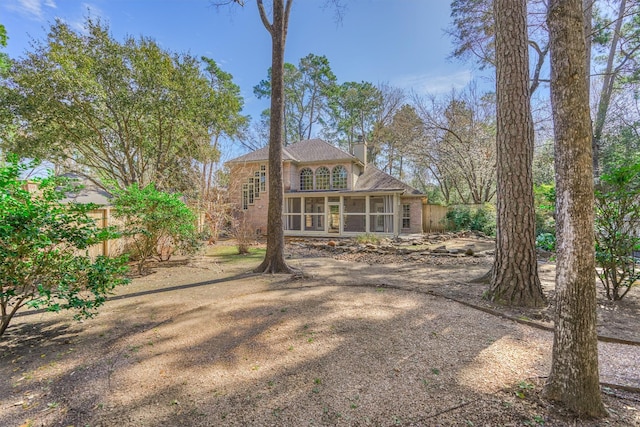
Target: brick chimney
x=360 y=150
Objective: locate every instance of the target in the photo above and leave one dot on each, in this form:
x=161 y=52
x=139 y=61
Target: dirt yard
x=373 y=336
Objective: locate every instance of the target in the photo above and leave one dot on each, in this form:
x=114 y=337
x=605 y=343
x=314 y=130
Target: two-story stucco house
x=327 y=192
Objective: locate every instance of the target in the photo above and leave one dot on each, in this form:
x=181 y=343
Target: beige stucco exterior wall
x=354 y=173
x=291 y=173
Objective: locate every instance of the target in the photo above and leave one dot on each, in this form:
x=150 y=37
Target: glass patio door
x=334 y=218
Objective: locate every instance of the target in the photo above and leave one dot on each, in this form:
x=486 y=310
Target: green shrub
x=157 y=223
x=546 y=241
x=459 y=218
x=44 y=259
x=617 y=228
x=482 y=219
x=545 y=201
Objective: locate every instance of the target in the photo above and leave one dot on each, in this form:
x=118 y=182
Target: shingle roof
x=89 y=193
x=318 y=150
x=374 y=179
x=310 y=150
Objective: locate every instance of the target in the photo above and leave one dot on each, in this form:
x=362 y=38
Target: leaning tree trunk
x=608 y=84
x=574 y=377
x=514 y=276
x=274 y=258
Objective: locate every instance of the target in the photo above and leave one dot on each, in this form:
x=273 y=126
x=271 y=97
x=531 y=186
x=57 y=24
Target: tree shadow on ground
x=291 y=352
x=279 y=357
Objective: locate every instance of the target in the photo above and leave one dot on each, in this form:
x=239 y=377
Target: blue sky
x=400 y=42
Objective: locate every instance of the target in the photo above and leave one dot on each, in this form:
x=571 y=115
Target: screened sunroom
x=341 y=214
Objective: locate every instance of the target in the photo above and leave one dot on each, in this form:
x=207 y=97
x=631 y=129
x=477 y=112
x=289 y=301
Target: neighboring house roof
x=308 y=151
x=89 y=193
x=374 y=179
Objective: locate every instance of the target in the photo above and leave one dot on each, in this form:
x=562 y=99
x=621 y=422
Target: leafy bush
x=459 y=217
x=482 y=219
x=546 y=241
x=44 y=260
x=617 y=228
x=157 y=223
x=545 y=204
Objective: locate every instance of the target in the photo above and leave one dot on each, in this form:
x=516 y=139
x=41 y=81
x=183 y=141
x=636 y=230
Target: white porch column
x=366 y=217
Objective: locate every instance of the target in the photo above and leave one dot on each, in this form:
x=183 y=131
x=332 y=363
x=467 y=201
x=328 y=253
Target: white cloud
x=86 y=10
x=77 y=25
x=92 y=10
x=32 y=9
x=423 y=84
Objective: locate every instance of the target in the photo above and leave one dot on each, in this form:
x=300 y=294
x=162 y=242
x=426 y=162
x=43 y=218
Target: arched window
x=339 y=178
x=322 y=178
x=306 y=179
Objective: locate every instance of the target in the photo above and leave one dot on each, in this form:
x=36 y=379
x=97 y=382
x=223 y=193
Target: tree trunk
x=606 y=91
x=574 y=379
x=274 y=258
x=514 y=279
x=587 y=11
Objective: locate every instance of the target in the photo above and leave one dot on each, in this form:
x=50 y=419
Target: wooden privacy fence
x=114 y=247
x=434 y=218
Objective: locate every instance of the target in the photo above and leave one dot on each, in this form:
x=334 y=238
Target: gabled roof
x=318 y=150
x=308 y=151
x=88 y=193
x=373 y=179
